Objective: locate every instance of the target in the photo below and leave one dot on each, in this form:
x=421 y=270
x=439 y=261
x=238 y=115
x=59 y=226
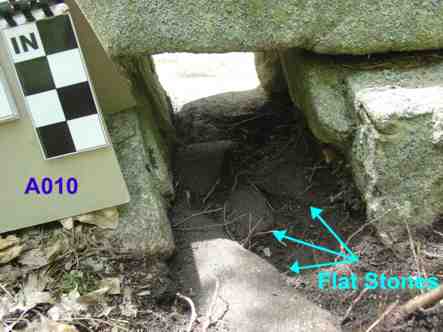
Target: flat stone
x=144 y=228
x=250 y=211
x=200 y=165
x=128 y=27
x=250 y=294
x=202 y=120
x=285 y=179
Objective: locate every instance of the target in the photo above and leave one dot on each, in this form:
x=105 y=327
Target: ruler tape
x=10 y=8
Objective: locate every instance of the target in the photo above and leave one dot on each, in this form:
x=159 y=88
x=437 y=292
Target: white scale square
x=8 y=110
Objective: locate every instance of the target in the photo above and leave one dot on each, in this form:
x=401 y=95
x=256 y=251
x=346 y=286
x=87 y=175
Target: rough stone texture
x=128 y=27
x=155 y=117
x=316 y=87
x=197 y=120
x=251 y=294
x=385 y=114
x=251 y=212
x=396 y=161
x=270 y=73
x=201 y=166
x=144 y=227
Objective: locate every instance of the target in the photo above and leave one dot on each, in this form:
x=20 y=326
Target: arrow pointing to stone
x=297 y=268
x=281 y=236
x=316 y=214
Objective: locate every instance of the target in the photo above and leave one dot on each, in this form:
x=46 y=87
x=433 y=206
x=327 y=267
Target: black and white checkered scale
x=54 y=82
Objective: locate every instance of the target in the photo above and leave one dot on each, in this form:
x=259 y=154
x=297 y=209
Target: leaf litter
x=44 y=286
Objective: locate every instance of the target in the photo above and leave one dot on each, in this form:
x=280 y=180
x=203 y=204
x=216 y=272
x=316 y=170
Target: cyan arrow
x=297 y=268
x=281 y=235
x=316 y=214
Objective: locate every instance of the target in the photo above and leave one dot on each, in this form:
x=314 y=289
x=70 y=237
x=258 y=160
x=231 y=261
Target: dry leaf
x=6 y=306
x=34 y=259
x=55 y=250
x=10 y=254
x=67 y=223
x=47 y=325
x=33 y=292
x=68 y=307
x=106 y=219
x=329 y=154
x=9 y=274
x=9 y=242
x=113 y=284
x=127 y=308
x=94 y=297
x=106 y=311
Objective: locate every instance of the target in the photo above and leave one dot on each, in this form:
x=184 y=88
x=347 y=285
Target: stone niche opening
x=238 y=128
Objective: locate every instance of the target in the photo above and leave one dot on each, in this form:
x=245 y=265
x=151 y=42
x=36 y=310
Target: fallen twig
x=422 y=301
x=196 y=215
x=354 y=303
x=207 y=321
x=390 y=308
x=251 y=232
x=358 y=231
x=212 y=225
x=193 y=316
x=211 y=191
x=414 y=252
x=3 y=288
x=225 y=223
x=398 y=314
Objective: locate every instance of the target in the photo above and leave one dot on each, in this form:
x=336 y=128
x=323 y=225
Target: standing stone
x=142 y=135
x=397 y=165
x=144 y=227
x=386 y=116
x=155 y=116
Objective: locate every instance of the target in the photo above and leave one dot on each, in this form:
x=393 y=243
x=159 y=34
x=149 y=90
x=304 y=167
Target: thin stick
x=423 y=301
x=211 y=191
x=391 y=307
x=354 y=303
x=196 y=215
x=420 y=302
x=193 y=317
x=6 y=291
x=208 y=318
x=213 y=225
x=414 y=252
x=226 y=228
x=358 y=231
x=251 y=231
